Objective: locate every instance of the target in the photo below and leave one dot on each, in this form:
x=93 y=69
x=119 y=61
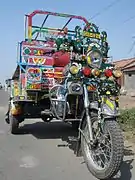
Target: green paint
x=35 y=51
x=39 y=30
x=27 y=51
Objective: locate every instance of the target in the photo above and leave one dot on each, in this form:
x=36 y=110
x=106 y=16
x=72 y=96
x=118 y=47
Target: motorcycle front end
x=101 y=137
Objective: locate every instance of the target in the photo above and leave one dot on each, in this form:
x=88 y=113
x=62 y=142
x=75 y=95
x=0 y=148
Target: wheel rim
x=101 y=155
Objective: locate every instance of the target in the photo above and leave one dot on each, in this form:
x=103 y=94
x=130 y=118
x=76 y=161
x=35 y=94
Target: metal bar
x=55 y=29
x=41 y=26
x=18 y=46
x=20 y=84
x=20 y=65
x=20 y=52
x=67 y=23
x=25 y=31
x=58 y=14
x=55 y=33
x=30 y=16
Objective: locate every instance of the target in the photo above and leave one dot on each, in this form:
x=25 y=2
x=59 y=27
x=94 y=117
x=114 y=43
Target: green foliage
x=127 y=119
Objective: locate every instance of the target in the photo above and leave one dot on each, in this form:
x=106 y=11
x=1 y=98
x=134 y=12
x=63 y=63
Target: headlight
x=74 y=69
x=94 y=59
x=75 y=88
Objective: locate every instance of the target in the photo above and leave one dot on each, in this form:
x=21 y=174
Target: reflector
x=86 y=71
x=108 y=72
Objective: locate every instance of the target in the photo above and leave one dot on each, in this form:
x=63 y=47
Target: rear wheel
x=7 y=118
x=14 y=124
x=104 y=159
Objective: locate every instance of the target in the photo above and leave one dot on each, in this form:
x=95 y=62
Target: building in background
x=127 y=81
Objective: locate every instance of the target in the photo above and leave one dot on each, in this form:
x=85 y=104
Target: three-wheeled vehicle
x=63 y=73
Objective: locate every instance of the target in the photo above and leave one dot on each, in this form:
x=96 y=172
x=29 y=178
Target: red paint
x=61 y=59
x=30 y=16
x=48 y=61
x=108 y=73
x=86 y=71
x=23 y=80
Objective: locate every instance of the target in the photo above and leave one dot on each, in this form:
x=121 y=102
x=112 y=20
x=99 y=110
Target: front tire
x=117 y=151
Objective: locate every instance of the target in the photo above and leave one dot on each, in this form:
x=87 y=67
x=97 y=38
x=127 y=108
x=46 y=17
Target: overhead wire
x=105 y=9
x=131 y=47
x=129 y=19
x=133 y=44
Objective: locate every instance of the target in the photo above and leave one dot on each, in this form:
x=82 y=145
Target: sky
x=117 y=21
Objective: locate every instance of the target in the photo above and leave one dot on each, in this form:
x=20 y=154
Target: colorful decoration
x=34 y=74
x=46 y=51
x=33 y=78
x=30 y=16
x=15 y=88
x=27 y=51
x=47 y=77
x=39 y=61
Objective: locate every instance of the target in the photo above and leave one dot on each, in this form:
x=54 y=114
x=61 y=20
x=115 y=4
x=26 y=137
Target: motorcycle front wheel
x=104 y=159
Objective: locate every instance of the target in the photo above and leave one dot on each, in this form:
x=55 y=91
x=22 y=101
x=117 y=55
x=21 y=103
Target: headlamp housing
x=74 y=69
x=94 y=58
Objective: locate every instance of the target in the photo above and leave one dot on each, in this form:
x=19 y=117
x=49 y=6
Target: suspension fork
x=86 y=106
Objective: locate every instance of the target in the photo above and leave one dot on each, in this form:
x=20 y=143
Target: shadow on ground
x=53 y=130
x=58 y=130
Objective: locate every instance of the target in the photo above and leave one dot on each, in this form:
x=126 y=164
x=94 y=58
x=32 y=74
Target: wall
x=129 y=80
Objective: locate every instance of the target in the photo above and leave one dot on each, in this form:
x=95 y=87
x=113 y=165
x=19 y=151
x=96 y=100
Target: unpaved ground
x=127 y=102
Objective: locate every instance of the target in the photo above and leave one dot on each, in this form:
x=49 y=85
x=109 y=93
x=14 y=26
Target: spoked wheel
x=14 y=124
x=104 y=158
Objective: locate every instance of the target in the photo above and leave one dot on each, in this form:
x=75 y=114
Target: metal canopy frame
x=30 y=16
x=21 y=67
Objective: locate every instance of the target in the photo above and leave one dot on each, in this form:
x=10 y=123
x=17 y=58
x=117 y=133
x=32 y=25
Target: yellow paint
x=21 y=97
x=74 y=69
x=108 y=92
x=96 y=72
x=89 y=60
x=58 y=73
x=91 y=35
x=89 y=48
x=109 y=103
x=16 y=92
x=30 y=32
x=91 y=88
x=16 y=110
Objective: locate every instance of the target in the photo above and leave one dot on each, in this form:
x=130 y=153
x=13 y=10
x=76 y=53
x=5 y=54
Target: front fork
x=88 y=119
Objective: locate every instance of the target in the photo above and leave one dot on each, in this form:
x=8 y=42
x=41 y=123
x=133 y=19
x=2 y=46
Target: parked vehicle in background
x=1 y=87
